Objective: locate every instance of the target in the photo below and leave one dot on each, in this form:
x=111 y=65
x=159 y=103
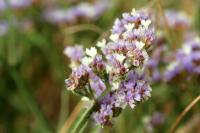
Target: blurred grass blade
x=82 y=116
x=169 y=36
x=180 y=117
x=28 y=97
x=82 y=27
x=64 y=109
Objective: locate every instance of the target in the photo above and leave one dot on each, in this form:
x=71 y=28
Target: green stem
x=28 y=97
x=81 y=120
x=64 y=110
x=169 y=35
x=82 y=27
x=108 y=88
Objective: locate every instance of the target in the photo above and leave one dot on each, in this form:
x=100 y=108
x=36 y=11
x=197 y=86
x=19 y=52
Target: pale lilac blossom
x=84 y=10
x=117 y=68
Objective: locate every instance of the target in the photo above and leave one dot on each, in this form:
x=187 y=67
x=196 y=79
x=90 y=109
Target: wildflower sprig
x=187 y=59
x=112 y=72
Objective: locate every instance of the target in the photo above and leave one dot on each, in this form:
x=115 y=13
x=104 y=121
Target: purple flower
x=192 y=63
x=172 y=70
x=118 y=27
x=57 y=15
x=87 y=10
x=14 y=4
x=20 y=4
x=71 y=15
x=97 y=85
x=177 y=19
x=2 y=5
x=131 y=92
x=189 y=55
x=3 y=28
x=135 y=25
x=23 y=25
x=98 y=64
x=118 y=69
x=79 y=78
x=103 y=116
x=157 y=119
x=187 y=59
x=74 y=53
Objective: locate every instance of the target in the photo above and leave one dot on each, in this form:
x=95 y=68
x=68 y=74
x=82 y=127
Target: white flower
x=115 y=86
x=126 y=34
x=187 y=49
x=127 y=64
x=147 y=95
x=73 y=65
x=121 y=100
x=71 y=87
x=114 y=37
x=137 y=97
x=197 y=40
x=131 y=103
x=108 y=68
x=129 y=27
x=139 y=44
x=86 y=60
x=146 y=56
x=146 y=23
x=140 y=70
x=66 y=51
x=91 y=52
x=85 y=99
x=133 y=12
x=101 y=44
x=120 y=57
x=172 y=66
x=130 y=54
x=87 y=8
x=136 y=63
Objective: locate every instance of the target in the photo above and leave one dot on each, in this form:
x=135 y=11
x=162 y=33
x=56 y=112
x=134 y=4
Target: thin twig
x=82 y=119
x=166 y=24
x=71 y=118
x=185 y=111
x=190 y=125
x=64 y=110
x=83 y=27
x=150 y=4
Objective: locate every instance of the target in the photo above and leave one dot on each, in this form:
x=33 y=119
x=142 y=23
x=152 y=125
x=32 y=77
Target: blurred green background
x=33 y=97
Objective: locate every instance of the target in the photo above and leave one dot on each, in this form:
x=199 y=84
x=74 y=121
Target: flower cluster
x=75 y=54
x=187 y=59
x=113 y=74
x=23 y=25
x=158 y=57
x=154 y=121
x=179 y=20
x=165 y=65
x=14 y=4
x=3 y=28
x=83 y=10
x=130 y=92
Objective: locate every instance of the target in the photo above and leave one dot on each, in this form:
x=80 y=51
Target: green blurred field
x=33 y=97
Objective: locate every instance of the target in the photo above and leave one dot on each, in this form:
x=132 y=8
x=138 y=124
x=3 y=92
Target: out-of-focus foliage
x=33 y=34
